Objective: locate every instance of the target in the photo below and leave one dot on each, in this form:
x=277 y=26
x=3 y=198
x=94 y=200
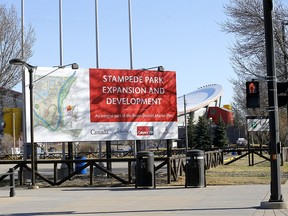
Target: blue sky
x=184 y=36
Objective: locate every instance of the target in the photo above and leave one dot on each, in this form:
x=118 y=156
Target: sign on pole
x=258 y=123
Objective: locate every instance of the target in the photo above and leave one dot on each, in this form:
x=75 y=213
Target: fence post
x=12 y=182
x=222 y=157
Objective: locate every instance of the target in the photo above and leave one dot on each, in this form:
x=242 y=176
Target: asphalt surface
x=111 y=201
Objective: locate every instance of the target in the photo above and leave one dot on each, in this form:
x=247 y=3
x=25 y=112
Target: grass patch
x=240 y=172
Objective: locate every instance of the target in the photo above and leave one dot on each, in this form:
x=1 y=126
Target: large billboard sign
x=102 y=104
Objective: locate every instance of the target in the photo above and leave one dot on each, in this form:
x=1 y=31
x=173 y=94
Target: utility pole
x=276 y=199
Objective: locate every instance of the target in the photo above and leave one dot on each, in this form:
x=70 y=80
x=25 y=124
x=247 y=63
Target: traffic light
x=282 y=88
x=252 y=94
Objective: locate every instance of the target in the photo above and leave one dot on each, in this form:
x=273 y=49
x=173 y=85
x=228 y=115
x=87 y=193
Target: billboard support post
x=108 y=156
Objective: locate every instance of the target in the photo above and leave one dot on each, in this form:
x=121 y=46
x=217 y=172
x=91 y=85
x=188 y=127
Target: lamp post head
x=17 y=62
x=20 y=62
x=159 y=68
x=75 y=66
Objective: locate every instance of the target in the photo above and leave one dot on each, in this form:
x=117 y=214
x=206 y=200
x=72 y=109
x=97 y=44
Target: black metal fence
x=173 y=166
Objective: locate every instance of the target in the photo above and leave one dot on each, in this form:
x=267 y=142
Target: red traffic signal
x=252 y=94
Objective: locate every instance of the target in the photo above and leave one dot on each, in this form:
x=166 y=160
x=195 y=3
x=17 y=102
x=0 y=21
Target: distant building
x=205 y=101
x=11 y=103
x=198 y=102
x=10 y=99
x=217 y=113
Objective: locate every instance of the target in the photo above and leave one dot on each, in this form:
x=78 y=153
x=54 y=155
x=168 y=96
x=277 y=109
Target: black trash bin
x=145 y=171
x=195 y=169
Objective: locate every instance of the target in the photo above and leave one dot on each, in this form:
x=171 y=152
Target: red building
x=215 y=113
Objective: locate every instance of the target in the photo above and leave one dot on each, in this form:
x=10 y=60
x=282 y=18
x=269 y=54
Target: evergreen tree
x=202 y=134
x=191 y=130
x=220 y=135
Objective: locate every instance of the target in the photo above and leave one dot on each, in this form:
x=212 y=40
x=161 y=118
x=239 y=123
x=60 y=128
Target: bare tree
x=246 y=22
x=11 y=47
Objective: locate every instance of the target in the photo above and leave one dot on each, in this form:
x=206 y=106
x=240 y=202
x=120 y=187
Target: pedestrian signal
x=282 y=92
x=252 y=94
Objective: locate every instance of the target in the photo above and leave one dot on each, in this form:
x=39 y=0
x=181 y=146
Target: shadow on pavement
x=131 y=212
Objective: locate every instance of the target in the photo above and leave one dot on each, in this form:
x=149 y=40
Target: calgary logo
x=145 y=130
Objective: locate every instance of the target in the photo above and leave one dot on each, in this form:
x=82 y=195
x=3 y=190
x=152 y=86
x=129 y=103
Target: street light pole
x=185 y=121
x=33 y=181
x=19 y=62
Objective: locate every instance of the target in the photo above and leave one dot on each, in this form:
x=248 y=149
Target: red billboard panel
x=132 y=96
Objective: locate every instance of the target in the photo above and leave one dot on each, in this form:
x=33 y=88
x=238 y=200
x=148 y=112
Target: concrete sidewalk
x=110 y=201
